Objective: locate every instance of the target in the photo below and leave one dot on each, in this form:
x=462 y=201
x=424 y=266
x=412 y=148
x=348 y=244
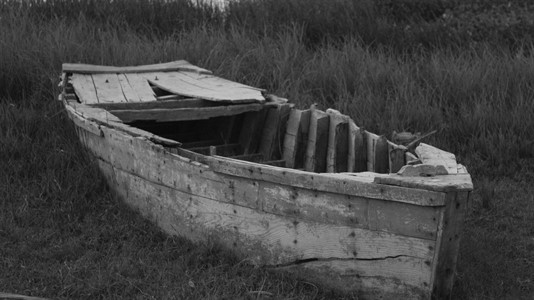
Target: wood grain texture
x=371 y=140
x=434 y=156
x=274 y=128
x=129 y=93
x=183 y=114
x=381 y=157
x=157 y=104
x=296 y=138
x=108 y=88
x=84 y=87
x=251 y=130
x=442 y=183
x=357 y=156
x=141 y=87
x=316 y=149
x=448 y=244
x=338 y=142
x=179 y=65
x=349 y=185
x=178 y=83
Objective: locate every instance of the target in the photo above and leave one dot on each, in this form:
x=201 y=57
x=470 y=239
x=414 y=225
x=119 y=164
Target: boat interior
x=244 y=123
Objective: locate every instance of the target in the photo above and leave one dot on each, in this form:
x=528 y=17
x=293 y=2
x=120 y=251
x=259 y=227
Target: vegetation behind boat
x=480 y=99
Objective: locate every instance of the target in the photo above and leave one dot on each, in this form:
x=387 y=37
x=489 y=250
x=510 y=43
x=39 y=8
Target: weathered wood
x=129 y=93
x=177 y=83
x=357 y=149
x=316 y=149
x=442 y=183
x=276 y=163
x=183 y=114
x=296 y=138
x=434 y=156
x=371 y=140
x=448 y=244
x=338 y=142
x=266 y=239
x=462 y=169
x=273 y=132
x=388 y=278
x=162 y=104
x=108 y=88
x=381 y=157
x=179 y=65
x=251 y=130
x=350 y=185
x=84 y=87
x=396 y=157
x=141 y=87
x=255 y=157
x=422 y=170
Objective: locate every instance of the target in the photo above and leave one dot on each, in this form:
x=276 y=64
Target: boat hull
x=342 y=231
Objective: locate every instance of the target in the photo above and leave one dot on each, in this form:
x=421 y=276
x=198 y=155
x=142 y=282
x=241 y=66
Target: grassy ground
x=62 y=235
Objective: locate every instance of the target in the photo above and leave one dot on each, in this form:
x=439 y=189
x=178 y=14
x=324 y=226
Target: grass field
x=64 y=236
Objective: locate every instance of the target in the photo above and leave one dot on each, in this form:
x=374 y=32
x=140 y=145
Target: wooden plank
x=129 y=93
x=175 y=83
x=434 y=156
x=357 y=149
x=108 y=88
x=442 y=183
x=396 y=157
x=252 y=127
x=448 y=244
x=255 y=157
x=381 y=157
x=316 y=149
x=84 y=87
x=296 y=138
x=213 y=82
x=411 y=159
x=179 y=65
x=349 y=185
x=338 y=142
x=183 y=114
x=165 y=104
x=422 y=170
x=388 y=278
x=371 y=140
x=141 y=87
x=265 y=238
x=273 y=130
x=277 y=163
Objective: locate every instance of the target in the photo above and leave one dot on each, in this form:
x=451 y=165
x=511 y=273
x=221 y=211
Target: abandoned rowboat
x=306 y=191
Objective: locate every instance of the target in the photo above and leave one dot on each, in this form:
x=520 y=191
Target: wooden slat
x=276 y=163
x=357 y=149
x=179 y=65
x=338 y=142
x=141 y=87
x=252 y=127
x=129 y=93
x=174 y=82
x=411 y=159
x=296 y=138
x=108 y=88
x=396 y=157
x=316 y=149
x=381 y=157
x=166 y=104
x=442 y=183
x=84 y=87
x=434 y=156
x=183 y=114
x=371 y=140
x=273 y=132
x=349 y=185
x=448 y=245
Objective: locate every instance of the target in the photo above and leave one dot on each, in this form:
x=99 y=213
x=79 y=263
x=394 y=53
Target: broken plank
x=108 y=88
x=296 y=137
x=434 y=156
x=396 y=157
x=85 y=89
x=129 y=93
x=183 y=114
x=316 y=148
x=179 y=65
x=338 y=142
x=165 y=104
x=141 y=87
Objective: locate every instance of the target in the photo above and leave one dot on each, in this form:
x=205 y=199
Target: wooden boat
x=305 y=191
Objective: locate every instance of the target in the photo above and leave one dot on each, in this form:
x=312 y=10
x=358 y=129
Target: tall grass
x=479 y=97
